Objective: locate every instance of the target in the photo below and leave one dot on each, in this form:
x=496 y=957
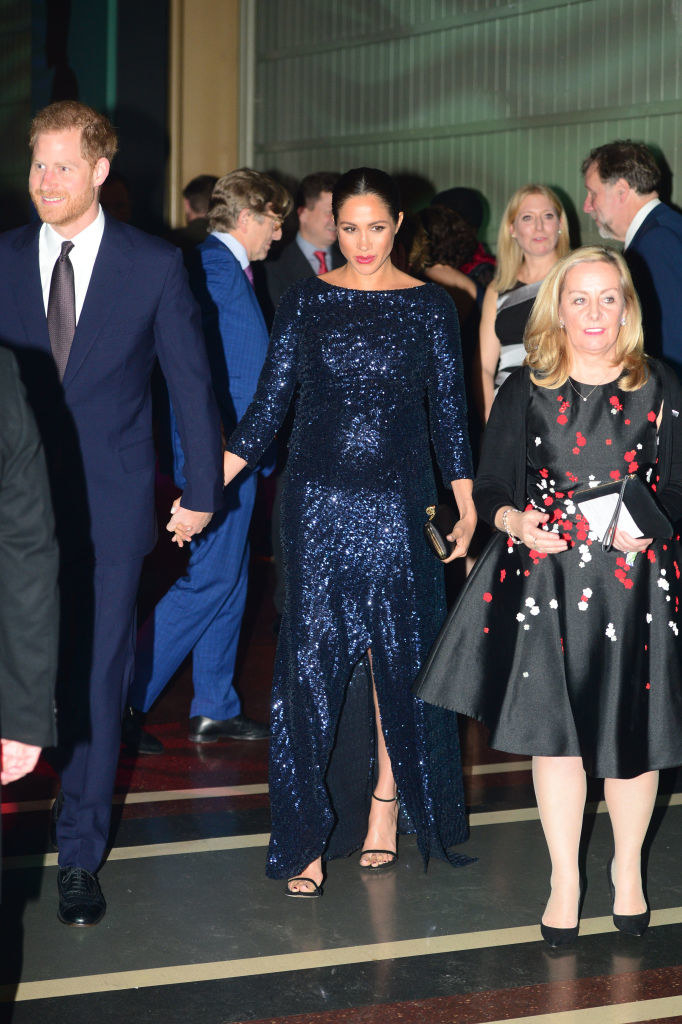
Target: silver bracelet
x=505 y=523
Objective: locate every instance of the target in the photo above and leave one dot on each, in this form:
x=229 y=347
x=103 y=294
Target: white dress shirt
x=83 y=255
x=638 y=220
x=309 y=250
x=235 y=247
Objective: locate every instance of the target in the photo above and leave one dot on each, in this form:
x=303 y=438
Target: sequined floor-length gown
x=379 y=377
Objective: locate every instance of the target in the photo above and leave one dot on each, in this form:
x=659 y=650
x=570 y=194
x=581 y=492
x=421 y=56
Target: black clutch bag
x=441 y=521
x=627 y=504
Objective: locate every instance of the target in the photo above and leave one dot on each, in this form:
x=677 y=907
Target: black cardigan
x=501 y=477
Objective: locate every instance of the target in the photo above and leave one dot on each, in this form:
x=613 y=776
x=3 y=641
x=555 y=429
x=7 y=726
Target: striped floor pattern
x=195 y=933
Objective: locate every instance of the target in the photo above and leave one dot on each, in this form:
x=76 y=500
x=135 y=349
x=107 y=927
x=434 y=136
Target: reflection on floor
x=195 y=933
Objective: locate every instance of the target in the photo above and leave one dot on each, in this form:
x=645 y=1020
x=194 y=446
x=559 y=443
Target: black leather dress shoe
x=210 y=730
x=81 y=902
x=136 y=739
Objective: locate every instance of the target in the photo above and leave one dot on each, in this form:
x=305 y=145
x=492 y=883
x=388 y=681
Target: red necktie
x=322 y=260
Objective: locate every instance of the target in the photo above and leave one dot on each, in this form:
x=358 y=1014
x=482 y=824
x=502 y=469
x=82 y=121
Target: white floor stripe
x=192 y=846
x=154 y=797
x=614 y=1013
x=498 y=768
x=242 y=842
x=315 y=958
x=215 y=792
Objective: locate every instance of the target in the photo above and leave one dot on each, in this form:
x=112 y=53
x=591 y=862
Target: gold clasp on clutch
x=431 y=511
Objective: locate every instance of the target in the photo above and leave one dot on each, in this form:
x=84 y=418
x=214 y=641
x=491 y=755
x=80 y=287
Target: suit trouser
x=96 y=663
x=202 y=613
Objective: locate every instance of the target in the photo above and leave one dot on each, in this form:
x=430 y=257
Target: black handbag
x=628 y=499
x=441 y=521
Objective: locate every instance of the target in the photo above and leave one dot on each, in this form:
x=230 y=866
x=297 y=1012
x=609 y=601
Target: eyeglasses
x=273 y=217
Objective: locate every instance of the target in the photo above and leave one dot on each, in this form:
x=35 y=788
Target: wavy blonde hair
x=548 y=355
x=509 y=253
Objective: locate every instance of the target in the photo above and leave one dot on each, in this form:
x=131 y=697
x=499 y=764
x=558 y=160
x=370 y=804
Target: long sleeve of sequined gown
x=378 y=378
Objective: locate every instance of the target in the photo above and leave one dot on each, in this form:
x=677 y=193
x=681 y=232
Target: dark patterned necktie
x=321 y=256
x=61 y=309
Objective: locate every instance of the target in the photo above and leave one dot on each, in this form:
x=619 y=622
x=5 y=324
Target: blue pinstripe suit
x=202 y=611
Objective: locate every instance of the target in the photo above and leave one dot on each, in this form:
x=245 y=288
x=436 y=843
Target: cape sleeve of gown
x=446 y=393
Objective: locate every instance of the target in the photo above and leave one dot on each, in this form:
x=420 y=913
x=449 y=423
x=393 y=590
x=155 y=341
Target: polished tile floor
x=195 y=933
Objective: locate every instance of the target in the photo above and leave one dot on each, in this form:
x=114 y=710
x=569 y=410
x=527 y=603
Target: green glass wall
x=113 y=55
x=485 y=93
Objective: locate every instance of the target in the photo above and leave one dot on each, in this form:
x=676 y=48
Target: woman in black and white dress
x=533 y=235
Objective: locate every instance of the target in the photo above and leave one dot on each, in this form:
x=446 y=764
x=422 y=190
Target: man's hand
x=18 y=759
x=185 y=524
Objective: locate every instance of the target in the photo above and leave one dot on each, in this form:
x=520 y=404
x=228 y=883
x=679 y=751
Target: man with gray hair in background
x=202 y=612
x=623 y=180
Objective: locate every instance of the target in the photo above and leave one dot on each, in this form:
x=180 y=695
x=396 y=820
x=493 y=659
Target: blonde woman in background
x=533 y=235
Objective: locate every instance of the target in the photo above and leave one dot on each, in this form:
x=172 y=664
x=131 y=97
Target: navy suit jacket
x=655 y=260
x=235 y=332
x=97 y=424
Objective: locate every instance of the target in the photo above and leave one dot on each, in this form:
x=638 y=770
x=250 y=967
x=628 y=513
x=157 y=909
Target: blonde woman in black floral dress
x=568 y=652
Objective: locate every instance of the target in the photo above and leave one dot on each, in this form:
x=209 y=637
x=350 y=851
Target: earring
x=622 y=321
x=562 y=324
x=559 y=231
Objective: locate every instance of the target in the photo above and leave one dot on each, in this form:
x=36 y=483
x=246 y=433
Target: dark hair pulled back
x=363 y=181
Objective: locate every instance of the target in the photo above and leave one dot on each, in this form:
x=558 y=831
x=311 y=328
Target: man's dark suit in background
x=622 y=180
x=654 y=257
x=316 y=233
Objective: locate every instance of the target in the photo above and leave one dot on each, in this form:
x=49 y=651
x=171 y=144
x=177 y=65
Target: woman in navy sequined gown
x=569 y=652
x=375 y=359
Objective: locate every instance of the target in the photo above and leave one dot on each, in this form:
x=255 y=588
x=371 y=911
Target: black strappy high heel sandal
x=393 y=854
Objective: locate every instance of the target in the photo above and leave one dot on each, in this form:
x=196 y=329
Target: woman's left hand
x=461 y=536
x=622 y=541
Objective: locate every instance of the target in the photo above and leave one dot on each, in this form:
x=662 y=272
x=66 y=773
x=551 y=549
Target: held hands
x=18 y=759
x=185 y=524
x=527 y=526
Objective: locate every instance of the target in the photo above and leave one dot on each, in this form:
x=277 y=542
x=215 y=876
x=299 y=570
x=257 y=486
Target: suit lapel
x=112 y=267
x=301 y=264
x=249 y=289
x=27 y=288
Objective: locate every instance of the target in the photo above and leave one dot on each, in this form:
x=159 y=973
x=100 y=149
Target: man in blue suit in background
x=622 y=181
x=202 y=612
x=88 y=303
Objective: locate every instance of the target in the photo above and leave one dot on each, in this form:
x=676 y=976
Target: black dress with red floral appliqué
x=576 y=653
